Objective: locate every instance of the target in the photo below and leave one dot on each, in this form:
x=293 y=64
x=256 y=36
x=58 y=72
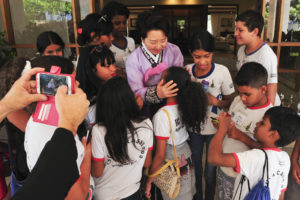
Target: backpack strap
x=242 y=180
x=266 y=165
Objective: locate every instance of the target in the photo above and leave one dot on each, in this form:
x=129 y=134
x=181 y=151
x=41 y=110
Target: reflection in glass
x=270 y=17
x=31 y=17
x=291 y=20
x=289 y=58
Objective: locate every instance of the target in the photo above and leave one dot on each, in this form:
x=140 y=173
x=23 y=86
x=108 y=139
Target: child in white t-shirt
x=122 y=142
x=249 y=26
x=122 y=46
x=187 y=111
x=218 y=84
x=246 y=110
x=279 y=127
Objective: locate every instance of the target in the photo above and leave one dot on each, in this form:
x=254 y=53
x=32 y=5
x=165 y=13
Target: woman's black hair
x=47 y=38
x=192 y=98
x=93 y=22
x=114 y=8
x=151 y=20
x=202 y=40
x=86 y=70
x=47 y=62
x=116 y=109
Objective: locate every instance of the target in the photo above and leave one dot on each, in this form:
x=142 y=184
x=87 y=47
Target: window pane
x=270 y=17
x=289 y=58
x=84 y=8
x=1 y=22
x=288 y=89
x=31 y=17
x=291 y=19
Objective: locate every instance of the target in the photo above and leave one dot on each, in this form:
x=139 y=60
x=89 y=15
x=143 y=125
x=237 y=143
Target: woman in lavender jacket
x=145 y=65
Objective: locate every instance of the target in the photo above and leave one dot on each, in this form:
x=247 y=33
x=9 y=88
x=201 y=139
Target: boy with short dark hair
x=246 y=110
x=249 y=26
x=279 y=127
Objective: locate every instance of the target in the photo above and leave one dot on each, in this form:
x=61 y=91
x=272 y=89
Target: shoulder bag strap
x=174 y=149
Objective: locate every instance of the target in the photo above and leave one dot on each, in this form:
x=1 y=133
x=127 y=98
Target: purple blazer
x=137 y=65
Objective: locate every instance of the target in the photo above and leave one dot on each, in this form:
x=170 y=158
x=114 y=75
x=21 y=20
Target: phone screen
x=49 y=83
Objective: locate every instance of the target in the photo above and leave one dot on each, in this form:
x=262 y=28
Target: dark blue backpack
x=259 y=191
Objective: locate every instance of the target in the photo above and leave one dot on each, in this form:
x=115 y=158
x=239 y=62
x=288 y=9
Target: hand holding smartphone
x=47 y=83
x=214 y=120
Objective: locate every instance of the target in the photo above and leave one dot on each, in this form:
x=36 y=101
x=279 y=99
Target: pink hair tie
x=79 y=30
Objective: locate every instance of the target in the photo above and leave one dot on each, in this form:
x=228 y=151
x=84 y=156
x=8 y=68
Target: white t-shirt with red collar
x=121 y=180
x=36 y=137
x=162 y=128
x=245 y=119
x=250 y=164
x=266 y=57
x=219 y=82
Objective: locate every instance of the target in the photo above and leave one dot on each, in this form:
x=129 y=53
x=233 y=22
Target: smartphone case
x=45 y=111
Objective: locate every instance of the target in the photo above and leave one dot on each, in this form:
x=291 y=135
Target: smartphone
x=214 y=119
x=48 y=84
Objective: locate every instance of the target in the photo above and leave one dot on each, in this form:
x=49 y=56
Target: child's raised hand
x=166 y=90
x=224 y=121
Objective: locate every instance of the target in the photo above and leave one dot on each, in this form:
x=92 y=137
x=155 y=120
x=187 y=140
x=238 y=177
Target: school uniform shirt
x=122 y=54
x=121 y=180
x=250 y=164
x=137 y=65
x=264 y=56
x=36 y=137
x=162 y=128
x=217 y=82
x=245 y=119
x=48 y=179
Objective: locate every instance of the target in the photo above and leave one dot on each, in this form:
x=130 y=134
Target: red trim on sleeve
x=78 y=179
x=283 y=190
x=98 y=159
x=161 y=138
x=150 y=148
x=259 y=107
x=272 y=149
x=238 y=167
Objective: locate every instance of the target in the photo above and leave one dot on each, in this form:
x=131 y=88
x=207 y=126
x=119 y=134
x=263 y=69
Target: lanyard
x=150 y=59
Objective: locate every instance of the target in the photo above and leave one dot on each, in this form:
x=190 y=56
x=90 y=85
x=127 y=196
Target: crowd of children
x=140 y=98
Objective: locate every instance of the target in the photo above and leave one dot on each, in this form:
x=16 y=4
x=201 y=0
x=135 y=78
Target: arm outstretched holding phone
x=60 y=148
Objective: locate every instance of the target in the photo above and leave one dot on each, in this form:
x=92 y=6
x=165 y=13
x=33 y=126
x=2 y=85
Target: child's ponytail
x=192 y=98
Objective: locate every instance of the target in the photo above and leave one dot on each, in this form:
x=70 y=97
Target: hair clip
x=102 y=18
x=79 y=30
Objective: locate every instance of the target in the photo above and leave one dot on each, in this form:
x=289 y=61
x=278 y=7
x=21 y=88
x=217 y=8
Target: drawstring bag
x=167 y=178
x=260 y=191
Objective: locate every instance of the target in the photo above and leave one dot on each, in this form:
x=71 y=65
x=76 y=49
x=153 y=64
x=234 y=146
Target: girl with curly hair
x=187 y=111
